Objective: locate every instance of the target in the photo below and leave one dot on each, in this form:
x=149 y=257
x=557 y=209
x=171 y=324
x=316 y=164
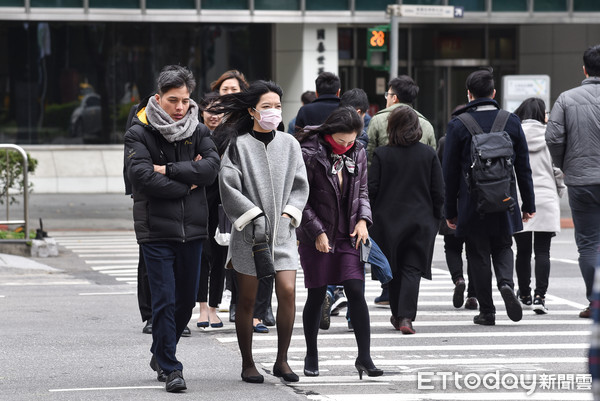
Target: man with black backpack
x=485 y=149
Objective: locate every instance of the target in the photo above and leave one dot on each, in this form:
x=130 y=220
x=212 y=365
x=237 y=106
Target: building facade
x=70 y=69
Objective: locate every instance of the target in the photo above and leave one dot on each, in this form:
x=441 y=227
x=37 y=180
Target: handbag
x=261 y=251
x=365 y=250
x=223 y=232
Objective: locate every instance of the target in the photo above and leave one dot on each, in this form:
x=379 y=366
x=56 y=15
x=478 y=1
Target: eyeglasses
x=387 y=94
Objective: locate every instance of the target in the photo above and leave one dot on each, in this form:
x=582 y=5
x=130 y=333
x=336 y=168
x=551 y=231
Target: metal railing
x=7 y=147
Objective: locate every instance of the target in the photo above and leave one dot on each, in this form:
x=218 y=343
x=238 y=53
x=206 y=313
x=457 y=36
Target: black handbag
x=261 y=251
x=365 y=250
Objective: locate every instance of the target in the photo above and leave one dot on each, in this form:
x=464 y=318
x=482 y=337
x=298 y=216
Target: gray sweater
x=270 y=180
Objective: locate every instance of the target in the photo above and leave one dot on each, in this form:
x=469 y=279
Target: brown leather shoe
x=406 y=326
x=586 y=313
x=471 y=303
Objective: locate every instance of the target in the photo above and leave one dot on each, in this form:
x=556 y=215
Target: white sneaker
x=225 y=301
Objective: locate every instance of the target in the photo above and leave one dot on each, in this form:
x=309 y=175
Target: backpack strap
x=470 y=123
x=500 y=121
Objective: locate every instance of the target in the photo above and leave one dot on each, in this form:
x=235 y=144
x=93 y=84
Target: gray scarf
x=173 y=131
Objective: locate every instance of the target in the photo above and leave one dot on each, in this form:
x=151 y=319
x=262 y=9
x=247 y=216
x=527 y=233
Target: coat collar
x=591 y=81
x=484 y=101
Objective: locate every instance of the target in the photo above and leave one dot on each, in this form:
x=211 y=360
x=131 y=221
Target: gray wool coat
x=270 y=180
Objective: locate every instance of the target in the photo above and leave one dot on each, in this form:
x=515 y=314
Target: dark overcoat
x=459 y=202
x=406 y=191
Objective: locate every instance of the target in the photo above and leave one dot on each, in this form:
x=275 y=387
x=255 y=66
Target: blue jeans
x=173 y=274
x=585 y=210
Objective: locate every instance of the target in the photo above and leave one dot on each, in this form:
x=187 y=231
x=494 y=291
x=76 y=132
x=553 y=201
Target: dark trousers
x=404 y=291
x=173 y=273
x=213 y=273
x=541 y=249
x=453 y=247
x=480 y=246
x=143 y=289
x=585 y=210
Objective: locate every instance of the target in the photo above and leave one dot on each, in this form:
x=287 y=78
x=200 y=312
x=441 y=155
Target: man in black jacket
x=170 y=158
x=488 y=234
x=328 y=89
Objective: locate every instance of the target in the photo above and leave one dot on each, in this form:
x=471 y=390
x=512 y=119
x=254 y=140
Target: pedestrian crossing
x=447 y=359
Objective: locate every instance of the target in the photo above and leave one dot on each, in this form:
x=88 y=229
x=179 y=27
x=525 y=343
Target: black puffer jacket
x=165 y=209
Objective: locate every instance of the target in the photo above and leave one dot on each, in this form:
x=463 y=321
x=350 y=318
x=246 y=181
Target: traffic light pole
x=394 y=12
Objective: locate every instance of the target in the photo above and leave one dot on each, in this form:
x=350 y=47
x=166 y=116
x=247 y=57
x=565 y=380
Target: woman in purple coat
x=334 y=223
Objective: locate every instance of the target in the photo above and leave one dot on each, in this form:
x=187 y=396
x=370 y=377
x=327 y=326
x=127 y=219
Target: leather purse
x=261 y=251
x=365 y=250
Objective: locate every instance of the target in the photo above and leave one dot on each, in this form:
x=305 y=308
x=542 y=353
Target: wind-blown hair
x=403 y=127
x=236 y=119
x=344 y=119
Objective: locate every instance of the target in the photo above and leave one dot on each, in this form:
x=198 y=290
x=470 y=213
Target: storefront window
x=114 y=4
x=57 y=3
x=74 y=83
x=509 y=5
x=171 y=4
x=12 y=3
x=225 y=5
x=277 y=4
x=469 y=5
x=586 y=5
x=550 y=5
x=371 y=5
x=323 y=5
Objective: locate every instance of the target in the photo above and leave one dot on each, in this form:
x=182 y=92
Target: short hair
x=481 y=83
x=216 y=85
x=532 y=108
x=405 y=89
x=591 y=61
x=356 y=98
x=308 y=97
x=403 y=128
x=175 y=76
x=327 y=83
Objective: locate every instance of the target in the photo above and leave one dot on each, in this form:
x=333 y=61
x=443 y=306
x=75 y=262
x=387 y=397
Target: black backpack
x=491 y=173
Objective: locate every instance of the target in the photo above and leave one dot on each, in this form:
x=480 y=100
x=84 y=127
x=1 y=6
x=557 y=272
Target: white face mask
x=269 y=119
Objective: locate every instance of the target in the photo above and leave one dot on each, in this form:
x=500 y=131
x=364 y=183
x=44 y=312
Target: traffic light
x=377 y=47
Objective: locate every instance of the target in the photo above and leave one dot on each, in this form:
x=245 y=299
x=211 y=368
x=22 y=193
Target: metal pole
x=394 y=12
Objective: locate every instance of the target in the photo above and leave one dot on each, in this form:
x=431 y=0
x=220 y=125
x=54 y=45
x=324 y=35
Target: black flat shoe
x=311 y=366
x=160 y=374
x=372 y=372
x=253 y=379
x=288 y=377
x=148 y=327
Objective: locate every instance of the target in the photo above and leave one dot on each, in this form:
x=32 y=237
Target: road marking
x=57 y=390
x=395 y=334
x=103 y=255
x=116 y=267
x=503 y=361
x=110 y=262
x=107 y=293
x=570 y=261
x=478 y=396
x=48 y=283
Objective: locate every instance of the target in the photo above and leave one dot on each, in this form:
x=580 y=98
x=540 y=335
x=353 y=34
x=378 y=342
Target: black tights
x=359 y=316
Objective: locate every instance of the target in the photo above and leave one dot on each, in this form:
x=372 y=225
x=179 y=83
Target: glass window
x=114 y=3
x=277 y=4
x=371 y=5
x=225 y=5
x=586 y=5
x=79 y=86
x=56 y=3
x=425 y=2
x=469 y=5
x=12 y=3
x=172 y=4
x=509 y=5
x=550 y=5
x=322 y=5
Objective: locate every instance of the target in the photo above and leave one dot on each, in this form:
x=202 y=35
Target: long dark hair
x=236 y=119
x=343 y=119
x=404 y=128
x=532 y=108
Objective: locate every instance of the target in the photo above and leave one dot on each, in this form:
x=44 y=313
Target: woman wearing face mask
x=264 y=189
x=334 y=224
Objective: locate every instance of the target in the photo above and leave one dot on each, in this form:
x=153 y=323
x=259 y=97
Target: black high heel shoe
x=311 y=366
x=288 y=377
x=372 y=372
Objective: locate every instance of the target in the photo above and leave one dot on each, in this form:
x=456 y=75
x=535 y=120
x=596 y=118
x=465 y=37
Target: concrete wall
x=77 y=169
x=556 y=50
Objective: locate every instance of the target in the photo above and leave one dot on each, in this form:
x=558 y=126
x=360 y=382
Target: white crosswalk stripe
x=427 y=365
